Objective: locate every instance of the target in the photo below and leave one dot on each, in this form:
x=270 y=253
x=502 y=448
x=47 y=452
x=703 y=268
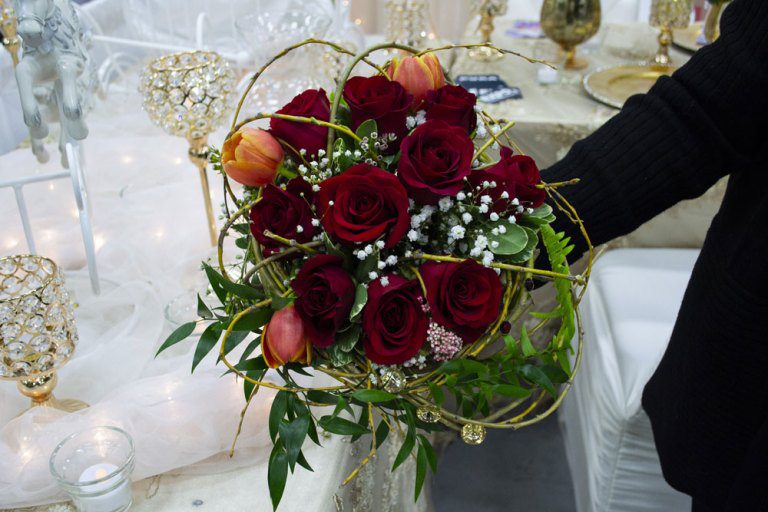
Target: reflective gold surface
x=570 y=23
x=8 y=31
x=613 y=86
x=487 y=10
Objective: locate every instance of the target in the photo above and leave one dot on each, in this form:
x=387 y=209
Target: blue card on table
x=489 y=88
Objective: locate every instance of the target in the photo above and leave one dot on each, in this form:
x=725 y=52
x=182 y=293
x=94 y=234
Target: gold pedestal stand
x=484 y=53
x=198 y=154
x=40 y=392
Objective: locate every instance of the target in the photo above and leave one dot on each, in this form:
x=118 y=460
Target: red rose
x=283 y=212
x=517 y=175
x=325 y=294
x=380 y=99
x=312 y=138
x=463 y=297
x=394 y=321
x=362 y=205
x=454 y=105
x=435 y=160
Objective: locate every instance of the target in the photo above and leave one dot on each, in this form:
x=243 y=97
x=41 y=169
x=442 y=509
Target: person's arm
x=708 y=120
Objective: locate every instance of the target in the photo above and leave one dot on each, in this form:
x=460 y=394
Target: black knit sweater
x=708 y=400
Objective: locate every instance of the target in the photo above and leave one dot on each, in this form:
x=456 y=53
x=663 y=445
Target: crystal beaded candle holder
x=37 y=327
x=94 y=467
x=187 y=94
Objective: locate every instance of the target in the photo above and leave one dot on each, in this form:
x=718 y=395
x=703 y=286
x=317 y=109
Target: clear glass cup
x=94 y=467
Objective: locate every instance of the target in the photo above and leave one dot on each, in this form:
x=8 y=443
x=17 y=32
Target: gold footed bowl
x=37 y=328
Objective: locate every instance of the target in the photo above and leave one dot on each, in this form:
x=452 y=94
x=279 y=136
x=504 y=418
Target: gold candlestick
x=8 y=32
x=187 y=94
x=37 y=328
x=569 y=23
x=667 y=15
x=488 y=10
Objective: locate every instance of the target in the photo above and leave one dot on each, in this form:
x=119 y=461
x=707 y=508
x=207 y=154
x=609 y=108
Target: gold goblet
x=187 y=94
x=570 y=23
x=37 y=328
x=667 y=15
x=488 y=10
x=8 y=31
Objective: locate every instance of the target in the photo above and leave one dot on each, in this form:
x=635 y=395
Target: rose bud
x=418 y=75
x=251 y=157
x=284 y=340
x=454 y=105
x=309 y=137
x=324 y=297
x=283 y=212
x=463 y=297
x=435 y=159
x=516 y=177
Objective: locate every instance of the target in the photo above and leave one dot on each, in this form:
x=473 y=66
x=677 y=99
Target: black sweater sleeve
x=709 y=119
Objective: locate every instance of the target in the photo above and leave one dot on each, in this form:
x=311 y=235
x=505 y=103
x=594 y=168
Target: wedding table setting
x=128 y=252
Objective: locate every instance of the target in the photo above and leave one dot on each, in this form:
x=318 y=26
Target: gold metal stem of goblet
x=483 y=53
x=662 y=57
x=40 y=392
x=8 y=29
x=571 y=61
x=198 y=154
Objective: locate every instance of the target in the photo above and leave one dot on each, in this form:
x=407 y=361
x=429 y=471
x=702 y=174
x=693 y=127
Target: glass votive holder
x=94 y=467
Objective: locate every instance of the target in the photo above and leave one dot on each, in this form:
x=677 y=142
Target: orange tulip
x=252 y=156
x=284 y=340
x=418 y=75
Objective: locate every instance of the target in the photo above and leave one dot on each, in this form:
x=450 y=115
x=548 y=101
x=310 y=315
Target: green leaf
x=279 y=302
x=367 y=266
x=363 y=422
x=234 y=339
x=525 y=344
x=277 y=413
x=373 y=395
x=421 y=472
x=322 y=397
x=336 y=425
x=255 y=364
x=530 y=248
x=405 y=449
x=565 y=362
x=347 y=340
x=366 y=128
x=181 y=333
x=512 y=241
x=535 y=375
x=303 y=462
x=293 y=434
x=202 y=309
x=557 y=249
x=248 y=386
x=341 y=405
x=437 y=393
x=382 y=431
x=430 y=452
x=361 y=297
x=254 y=320
x=555 y=373
x=511 y=391
x=277 y=473
x=541 y=215
x=221 y=286
x=337 y=356
x=250 y=348
x=208 y=340
x=244 y=228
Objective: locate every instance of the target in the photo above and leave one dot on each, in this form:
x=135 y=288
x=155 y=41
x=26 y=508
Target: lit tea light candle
x=94 y=467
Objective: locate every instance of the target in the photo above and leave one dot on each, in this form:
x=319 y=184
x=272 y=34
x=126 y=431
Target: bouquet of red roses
x=384 y=246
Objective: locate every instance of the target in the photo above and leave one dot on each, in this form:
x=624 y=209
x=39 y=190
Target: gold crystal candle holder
x=487 y=10
x=188 y=95
x=667 y=15
x=8 y=31
x=37 y=327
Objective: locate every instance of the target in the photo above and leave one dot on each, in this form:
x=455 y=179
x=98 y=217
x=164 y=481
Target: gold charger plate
x=613 y=86
x=687 y=38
